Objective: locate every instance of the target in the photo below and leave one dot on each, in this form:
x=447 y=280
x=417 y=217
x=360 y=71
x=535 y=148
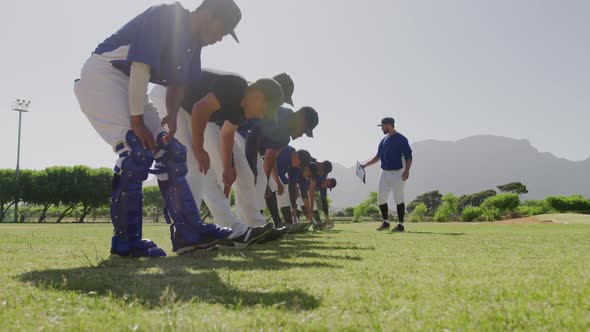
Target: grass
x=435 y=277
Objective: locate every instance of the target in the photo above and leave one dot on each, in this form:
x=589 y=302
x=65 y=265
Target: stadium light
x=21 y=106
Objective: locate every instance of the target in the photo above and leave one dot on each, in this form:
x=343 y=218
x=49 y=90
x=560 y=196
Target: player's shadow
x=162 y=282
x=194 y=277
x=431 y=233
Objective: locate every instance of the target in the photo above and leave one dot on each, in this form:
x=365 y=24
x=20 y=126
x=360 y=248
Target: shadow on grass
x=431 y=233
x=197 y=277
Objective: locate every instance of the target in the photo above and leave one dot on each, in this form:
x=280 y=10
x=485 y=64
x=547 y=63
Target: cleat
x=251 y=236
x=384 y=226
x=206 y=243
x=398 y=229
x=320 y=226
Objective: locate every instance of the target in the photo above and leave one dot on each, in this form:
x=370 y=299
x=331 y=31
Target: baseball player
x=394 y=151
x=222 y=103
x=162 y=46
x=267 y=139
x=322 y=184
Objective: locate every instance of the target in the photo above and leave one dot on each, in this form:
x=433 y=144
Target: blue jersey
x=284 y=169
x=392 y=149
x=161 y=38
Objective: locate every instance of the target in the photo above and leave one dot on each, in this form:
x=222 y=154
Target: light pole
x=19 y=106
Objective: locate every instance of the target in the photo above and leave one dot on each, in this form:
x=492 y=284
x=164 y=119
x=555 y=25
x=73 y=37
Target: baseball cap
x=332 y=183
x=311 y=119
x=304 y=157
x=287 y=85
x=385 y=121
x=273 y=95
x=227 y=11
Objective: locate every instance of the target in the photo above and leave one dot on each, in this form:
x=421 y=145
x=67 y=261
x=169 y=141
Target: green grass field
x=436 y=277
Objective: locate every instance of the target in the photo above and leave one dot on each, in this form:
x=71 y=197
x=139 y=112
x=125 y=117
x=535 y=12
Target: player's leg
x=187 y=231
x=218 y=204
x=398 y=197
x=247 y=202
x=385 y=188
x=102 y=93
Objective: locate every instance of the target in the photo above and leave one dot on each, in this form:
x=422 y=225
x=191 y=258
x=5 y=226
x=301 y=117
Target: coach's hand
x=143 y=133
x=229 y=177
x=203 y=160
x=171 y=122
x=406 y=175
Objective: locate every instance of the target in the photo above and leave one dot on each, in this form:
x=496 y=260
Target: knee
x=174 y=157
x=136 y=163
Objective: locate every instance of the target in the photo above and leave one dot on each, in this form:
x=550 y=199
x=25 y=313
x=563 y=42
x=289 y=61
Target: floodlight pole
x=21 y=106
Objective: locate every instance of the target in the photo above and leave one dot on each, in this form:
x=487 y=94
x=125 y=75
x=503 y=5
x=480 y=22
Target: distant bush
x=340 y=214
x=432 y=200
x=507 y=202
x=569 y=204
x=471 y=213
x=447 y=209
x=534 y=208
x=491 y=214
x=474 y=199
x=418 y=213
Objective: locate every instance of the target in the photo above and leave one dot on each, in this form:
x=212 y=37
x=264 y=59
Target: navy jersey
x=161 y=38
x=392 y=149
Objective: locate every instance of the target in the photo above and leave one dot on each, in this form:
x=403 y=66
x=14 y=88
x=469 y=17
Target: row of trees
x=66 y=188
x=485 y=205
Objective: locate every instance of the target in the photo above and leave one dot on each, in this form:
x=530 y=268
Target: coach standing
x=393 y=150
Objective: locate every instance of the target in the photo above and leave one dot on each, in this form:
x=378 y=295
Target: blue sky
x=444 y=69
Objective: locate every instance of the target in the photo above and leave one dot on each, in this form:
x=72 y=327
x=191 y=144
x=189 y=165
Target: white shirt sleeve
x=138 y=84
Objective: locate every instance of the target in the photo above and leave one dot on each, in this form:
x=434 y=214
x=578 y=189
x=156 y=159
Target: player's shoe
x=144 y=248
x=399 y=229
x=319 y=226
x=384 y=226
x=251 y=236
x=274 y=235
x=329 y=226
x=205 y=243
x=303 y=227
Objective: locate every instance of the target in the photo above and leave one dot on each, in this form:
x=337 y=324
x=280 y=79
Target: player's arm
x=139 y=77
x=371 y=162
x=228 y=132
x=174 y=98
x=407 y=153
x=307 y=198
x=202 y=110
x=324 y=200
x=311 y=194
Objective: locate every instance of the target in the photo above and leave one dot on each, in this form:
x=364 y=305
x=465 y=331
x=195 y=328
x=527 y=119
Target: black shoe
x=398 y=229
x=251 y=236
x=320 y=226
x=384 y=226
x=206 y=243
x=273 y=235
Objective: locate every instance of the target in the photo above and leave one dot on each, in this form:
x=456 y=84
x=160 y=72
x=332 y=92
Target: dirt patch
x=525 y=221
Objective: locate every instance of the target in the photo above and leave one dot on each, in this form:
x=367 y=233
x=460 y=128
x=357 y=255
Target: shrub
x=504 y=202
x=432 y=200
x=474 y=199
x=470 y=213
x=534 y=208
x=569 y=204
x=418 y=213
x=442 y=214
x=491 y=214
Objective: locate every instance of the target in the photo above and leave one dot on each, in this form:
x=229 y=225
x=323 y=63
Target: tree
x=153 y=201
x=507 y=202
x=366 y=208
x=514 y=187
x=349 y=212
x=432 y=200
x=419 y=213
x=448 y=208
x=7 y=191
x=93 y=187
x=474 y=200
